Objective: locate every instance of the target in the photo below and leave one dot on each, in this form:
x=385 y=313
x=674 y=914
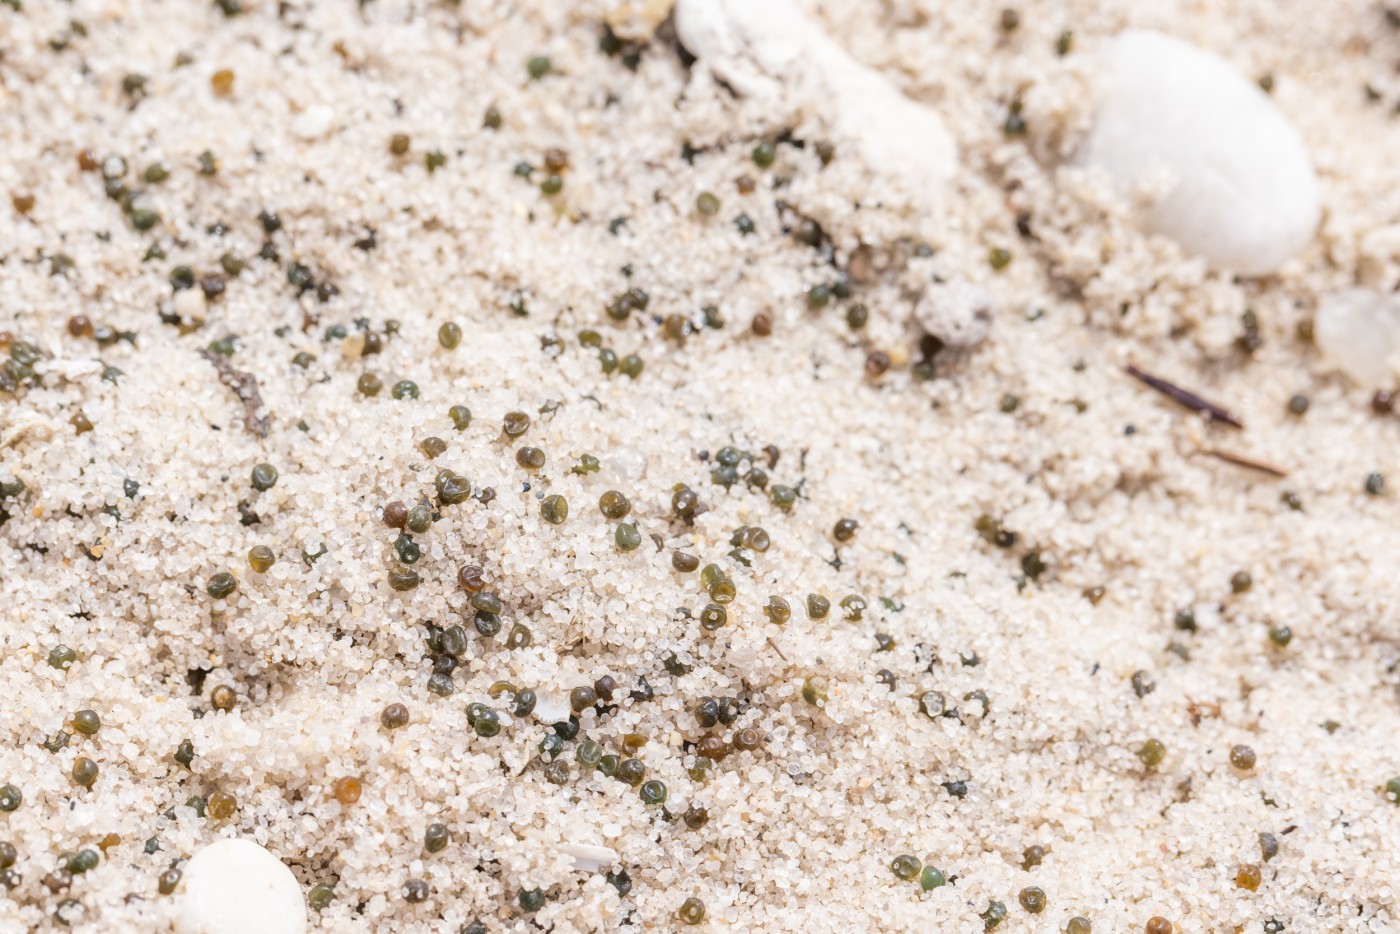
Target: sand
x=1038 y=427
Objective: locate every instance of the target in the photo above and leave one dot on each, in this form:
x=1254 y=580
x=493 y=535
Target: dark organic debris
x=245 y=386
x=1241 y=461
x=1184 y=397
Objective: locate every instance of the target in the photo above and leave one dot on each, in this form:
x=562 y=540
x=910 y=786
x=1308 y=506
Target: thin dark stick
x=1249 y=462
x=245 y=387
x=1183 y=397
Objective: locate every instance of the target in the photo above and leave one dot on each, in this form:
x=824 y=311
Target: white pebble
x=1359 y=330
x=767 y=48
x=958 y=313
x=234 y=886
x=1239 y=187
x=189 y=303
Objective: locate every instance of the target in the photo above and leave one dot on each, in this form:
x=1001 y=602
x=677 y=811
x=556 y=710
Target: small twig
x=1184 y=397
x=245 y=386
x=778 y=650
x=1199 y=712
x=1249 y=462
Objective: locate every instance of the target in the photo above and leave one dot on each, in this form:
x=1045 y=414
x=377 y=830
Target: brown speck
x=223 y=697
x=346 y=790
x=212 y=285
x=471 y=579
x=556 y=160
x=1198 y=712
x=222 y=82
x=861 y=266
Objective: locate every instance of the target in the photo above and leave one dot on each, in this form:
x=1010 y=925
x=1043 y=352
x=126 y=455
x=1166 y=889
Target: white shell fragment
x=588 y=857
x=762 y=47
x=1359 y=330
x=234 y=886
x=1240 y=189
x=958 y=313
x=551 y=707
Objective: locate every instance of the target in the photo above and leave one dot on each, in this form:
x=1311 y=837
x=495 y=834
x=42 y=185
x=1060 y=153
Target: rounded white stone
x=1359 y=331
x=958 y=313
x=235 y=886
x=1239 y=186
x=771 y=47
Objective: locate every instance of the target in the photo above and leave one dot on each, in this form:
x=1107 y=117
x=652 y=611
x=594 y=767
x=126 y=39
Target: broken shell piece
x=1359 y=331
x=551 y=708
x=771 y=47
x=958 y=313
x=1239 y=187
x=752 y=46
x=588 y=857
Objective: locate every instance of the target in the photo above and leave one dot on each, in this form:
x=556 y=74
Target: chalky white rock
x=1359 y=331
x=768 y=47
x=1240 y=188
x=234 y=886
